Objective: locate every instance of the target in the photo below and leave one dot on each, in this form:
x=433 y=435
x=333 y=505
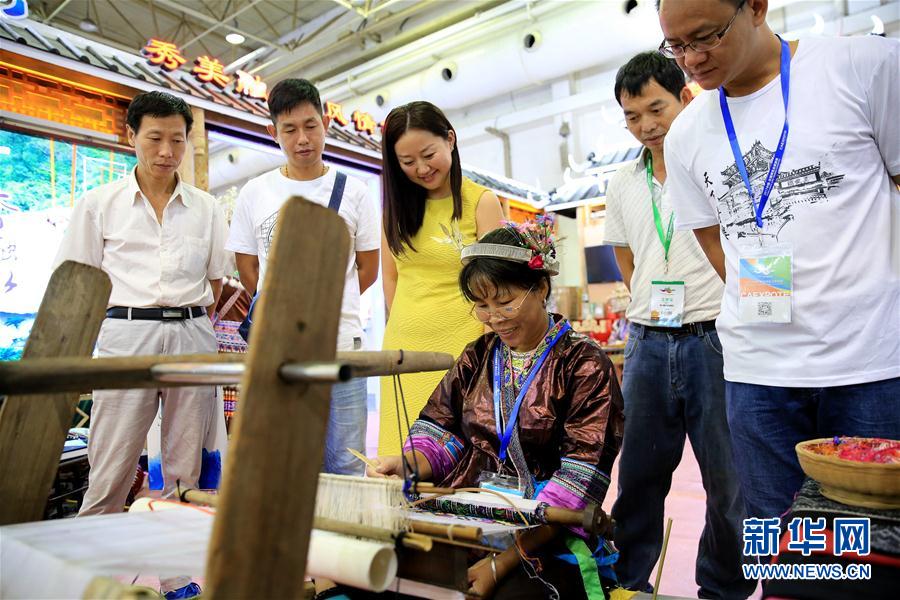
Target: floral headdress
x=537 y=247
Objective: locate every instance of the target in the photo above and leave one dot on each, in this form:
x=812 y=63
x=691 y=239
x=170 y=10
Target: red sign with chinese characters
x=363 y=122
x=210 y=70
x=250 y=86
x=335 y=112
x=163 y=54
x=206 y=69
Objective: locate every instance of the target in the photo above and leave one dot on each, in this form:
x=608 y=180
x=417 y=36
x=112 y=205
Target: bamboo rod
x=662 y=558
x=198 y=497
x=592 y=519
x=68 y=374
x=84 y=374
x=450 y=532
x=417 y=540
x=394 y=362
x=426 y=487
x=198 y=373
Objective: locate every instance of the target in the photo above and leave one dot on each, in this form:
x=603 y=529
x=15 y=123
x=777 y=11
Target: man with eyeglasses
x=787 y=171
x=672 y=384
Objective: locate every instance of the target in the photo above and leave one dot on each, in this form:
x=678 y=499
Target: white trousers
x=120 y=419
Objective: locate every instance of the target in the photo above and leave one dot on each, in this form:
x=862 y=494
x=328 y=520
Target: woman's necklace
x=520 y=362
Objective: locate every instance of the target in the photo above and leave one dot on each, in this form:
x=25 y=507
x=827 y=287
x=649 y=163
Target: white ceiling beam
x=211 y=21
x=371 y=11
x=142 y=38
x=212 y=28
x=313 y=25
x=56 y=10
x=306 y=33
x=350 y=7
x=300 y=62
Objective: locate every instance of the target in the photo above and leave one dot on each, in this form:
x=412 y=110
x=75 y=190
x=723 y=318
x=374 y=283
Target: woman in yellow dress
x=430 y=211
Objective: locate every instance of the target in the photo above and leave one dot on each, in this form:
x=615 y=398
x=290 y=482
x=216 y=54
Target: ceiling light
x=234 y=38
x=88 y=25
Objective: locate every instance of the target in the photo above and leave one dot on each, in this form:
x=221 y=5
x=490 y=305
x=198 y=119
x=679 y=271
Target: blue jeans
x=346 y=428
x=673 y=386
x=767 y=422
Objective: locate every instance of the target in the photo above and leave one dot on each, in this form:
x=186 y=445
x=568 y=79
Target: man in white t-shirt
x=807 y=245
x=672 y=383
x=299 y=127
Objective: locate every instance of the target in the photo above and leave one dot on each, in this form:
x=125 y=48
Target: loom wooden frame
x=278 y=439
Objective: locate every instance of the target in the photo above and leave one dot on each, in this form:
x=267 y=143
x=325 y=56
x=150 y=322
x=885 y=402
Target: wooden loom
x=278 y=438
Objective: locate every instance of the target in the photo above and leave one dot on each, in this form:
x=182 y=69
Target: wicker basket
x=870 y=485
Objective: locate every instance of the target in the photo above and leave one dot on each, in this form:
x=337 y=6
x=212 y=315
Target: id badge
x=666 y=303
x=498 y=482
x=766 y=284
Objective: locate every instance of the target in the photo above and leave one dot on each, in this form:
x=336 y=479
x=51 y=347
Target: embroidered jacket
x=570 y=423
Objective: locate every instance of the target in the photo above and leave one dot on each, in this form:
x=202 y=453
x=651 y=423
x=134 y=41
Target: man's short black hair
x=734 y=3
x=157 y=104
x=288 y=94
x=638 y=71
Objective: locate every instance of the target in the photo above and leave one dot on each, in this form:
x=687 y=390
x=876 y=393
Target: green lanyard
x=664 y=238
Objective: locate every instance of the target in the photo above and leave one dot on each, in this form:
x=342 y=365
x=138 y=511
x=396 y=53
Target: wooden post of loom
x=33 y=428
x=261 y=532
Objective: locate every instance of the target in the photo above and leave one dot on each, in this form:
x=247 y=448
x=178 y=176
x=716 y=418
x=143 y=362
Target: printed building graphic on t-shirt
x=267 y=230
x=806 y=185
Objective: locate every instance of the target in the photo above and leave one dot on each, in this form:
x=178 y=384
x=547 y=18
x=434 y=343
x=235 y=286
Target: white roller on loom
x=355 y=562
x=58 y=559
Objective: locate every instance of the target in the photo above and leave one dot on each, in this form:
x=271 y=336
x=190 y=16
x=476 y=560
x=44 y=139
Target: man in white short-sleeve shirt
x=672 y=382
x=299 y=127
x=161 y=241
x=811 y=310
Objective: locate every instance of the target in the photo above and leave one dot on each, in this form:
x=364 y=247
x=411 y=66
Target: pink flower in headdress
x=536 y=262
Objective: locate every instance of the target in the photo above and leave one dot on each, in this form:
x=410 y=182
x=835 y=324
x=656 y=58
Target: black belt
x=155 y=314
x=687 y=329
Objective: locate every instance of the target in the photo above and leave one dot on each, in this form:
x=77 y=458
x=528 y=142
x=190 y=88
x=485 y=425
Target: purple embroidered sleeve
x=573 y=486
x=437 y=458
x=555 y=494
x=440 y=447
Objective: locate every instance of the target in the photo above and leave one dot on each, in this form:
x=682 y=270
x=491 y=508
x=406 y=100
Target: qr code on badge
x=764 y=309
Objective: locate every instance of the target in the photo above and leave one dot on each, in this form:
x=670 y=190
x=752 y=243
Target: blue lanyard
x=506 y=435
x=775 y=166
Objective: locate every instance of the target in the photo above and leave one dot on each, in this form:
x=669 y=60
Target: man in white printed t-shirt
x=299 y=126
x=161 y=241
x=672 y=382
x=787 y=171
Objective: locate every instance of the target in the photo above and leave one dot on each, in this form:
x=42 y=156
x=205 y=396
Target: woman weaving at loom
x=531 y=409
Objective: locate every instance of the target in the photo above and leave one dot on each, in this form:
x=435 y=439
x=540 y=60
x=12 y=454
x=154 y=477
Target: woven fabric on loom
x=468 y=509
